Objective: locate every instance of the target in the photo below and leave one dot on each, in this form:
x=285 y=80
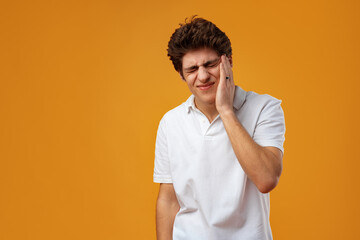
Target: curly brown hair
x=197 y=33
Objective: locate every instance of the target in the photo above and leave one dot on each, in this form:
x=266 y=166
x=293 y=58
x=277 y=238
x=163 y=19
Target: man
x=219 y=154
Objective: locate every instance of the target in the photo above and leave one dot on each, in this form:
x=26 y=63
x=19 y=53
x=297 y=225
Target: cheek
x=216 y=85
x=216 y=72
x=190 y=80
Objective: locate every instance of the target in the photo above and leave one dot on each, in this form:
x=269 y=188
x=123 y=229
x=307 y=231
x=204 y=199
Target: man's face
x=201 y=70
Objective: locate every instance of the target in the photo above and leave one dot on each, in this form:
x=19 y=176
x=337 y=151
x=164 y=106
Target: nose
x=203 y=74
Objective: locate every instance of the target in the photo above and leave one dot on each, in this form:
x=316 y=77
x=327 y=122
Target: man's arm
x=167 y=207
x=263 y=165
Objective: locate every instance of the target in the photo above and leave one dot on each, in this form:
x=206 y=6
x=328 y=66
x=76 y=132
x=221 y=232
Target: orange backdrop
x=83 y=85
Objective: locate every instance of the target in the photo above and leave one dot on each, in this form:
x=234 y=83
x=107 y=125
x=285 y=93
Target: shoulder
x=261 y=100
x=175 y=114
x=259 y=105
x=265 y=108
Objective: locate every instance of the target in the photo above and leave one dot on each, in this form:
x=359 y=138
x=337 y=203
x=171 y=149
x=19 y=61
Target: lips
x=206 y=86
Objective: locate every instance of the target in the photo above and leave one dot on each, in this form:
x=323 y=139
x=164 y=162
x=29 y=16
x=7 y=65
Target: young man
x=219 y=154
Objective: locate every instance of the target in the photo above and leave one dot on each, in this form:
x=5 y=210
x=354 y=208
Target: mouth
x=206 y=86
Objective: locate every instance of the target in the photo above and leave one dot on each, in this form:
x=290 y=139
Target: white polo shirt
x=217 y=200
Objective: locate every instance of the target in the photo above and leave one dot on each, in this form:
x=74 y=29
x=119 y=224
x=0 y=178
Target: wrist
x=227 y=113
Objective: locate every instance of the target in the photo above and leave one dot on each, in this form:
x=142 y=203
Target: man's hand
x=226 y=88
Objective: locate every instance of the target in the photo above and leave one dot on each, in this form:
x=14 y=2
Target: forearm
x=260 y=165
x=165 y=216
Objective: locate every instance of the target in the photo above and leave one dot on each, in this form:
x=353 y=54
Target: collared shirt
x=217 y=200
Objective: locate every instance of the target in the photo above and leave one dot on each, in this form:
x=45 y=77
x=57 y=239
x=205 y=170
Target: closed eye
x=212 y=63
x=208 y=64
x=191 y=70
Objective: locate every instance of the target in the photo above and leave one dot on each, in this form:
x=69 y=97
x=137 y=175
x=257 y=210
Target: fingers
x=223 y=73
x=230 y=71
x=225 y=66
x=227 y=69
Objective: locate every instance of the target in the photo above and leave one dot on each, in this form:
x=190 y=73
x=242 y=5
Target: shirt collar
x=239 y=99
x=190 y=103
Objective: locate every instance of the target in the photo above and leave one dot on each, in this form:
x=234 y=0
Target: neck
x=209 y=110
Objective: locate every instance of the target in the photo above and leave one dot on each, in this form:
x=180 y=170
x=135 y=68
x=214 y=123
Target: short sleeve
x=161 y=165
x=270 y=127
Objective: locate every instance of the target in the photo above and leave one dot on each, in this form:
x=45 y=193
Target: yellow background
x=83 y=85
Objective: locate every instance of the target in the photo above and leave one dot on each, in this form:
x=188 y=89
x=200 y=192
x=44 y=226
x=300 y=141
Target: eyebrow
x=205 y=64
